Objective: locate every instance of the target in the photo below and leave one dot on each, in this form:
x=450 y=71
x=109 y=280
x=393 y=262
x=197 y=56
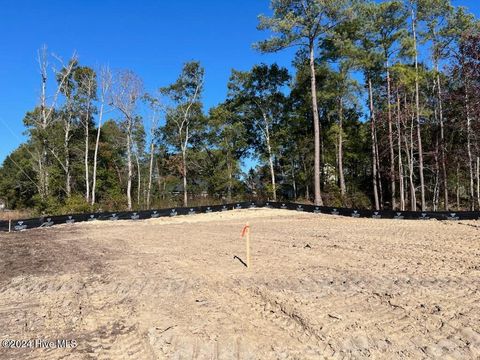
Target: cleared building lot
x=320 y=286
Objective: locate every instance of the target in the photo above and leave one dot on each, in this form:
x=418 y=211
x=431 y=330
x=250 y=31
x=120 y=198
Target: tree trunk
x=43 y=167
x=87 y=143
x=336 y=163
x=405 y=188
x=478 y=181
x=390 y=140
x=164 y=190
x=184 y=173
x=343 y=188
x=42 y=159
x=95 y=155
x=379 y=174
x=159 y=179
x=230 y=181
x=374 y=154
x=294 y=184
x=138 y=179
x=129 y=166
x=316 y=127
x=410 y=159
x=87 y=180
x=413 y=197
x=442 y=141
x=66 y=148
x=144 y=193
x=436 y=187
x=41 y=182
x=458 y=185
x=46 y=163
x=417 y=110
x=469 y=149
x=400 y=161
x=270 y=161
x=150 y=174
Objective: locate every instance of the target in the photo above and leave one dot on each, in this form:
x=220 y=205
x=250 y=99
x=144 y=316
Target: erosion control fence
x=46 y=221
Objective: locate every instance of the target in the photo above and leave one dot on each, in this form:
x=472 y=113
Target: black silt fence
x=47 y=221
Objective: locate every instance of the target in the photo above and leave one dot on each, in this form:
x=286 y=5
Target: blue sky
x=152 y=38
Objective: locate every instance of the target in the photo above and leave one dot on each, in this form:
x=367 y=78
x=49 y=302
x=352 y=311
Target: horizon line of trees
x=381 y=111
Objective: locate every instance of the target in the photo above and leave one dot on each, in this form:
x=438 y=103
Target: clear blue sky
x=152 y=38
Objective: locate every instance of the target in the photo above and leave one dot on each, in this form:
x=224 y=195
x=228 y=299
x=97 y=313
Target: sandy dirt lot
x=321 y=287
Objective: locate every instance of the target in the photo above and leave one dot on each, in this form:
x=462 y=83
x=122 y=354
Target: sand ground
x=320 y=287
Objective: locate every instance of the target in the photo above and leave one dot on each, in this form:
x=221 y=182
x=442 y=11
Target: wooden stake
x=9 y=225
x=246 y=231
x=248 y=245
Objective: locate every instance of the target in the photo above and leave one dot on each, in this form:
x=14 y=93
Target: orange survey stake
x=246 y=231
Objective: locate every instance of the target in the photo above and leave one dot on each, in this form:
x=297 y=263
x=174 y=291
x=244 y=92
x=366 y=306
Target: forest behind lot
x=379 y=110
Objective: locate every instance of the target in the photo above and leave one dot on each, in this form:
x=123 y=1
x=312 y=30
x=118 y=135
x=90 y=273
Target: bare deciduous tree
x=185 y=93
x=126 y=91
x=41 y=120
x=105 y=86
x=155 y=108
x=88 y=85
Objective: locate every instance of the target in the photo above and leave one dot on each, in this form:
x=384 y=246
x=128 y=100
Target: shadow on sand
x=236 y=257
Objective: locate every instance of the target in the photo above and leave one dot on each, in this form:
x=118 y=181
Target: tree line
x=380 y=110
